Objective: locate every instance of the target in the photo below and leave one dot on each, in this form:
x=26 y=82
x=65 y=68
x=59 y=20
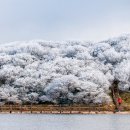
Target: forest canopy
x=63 y=72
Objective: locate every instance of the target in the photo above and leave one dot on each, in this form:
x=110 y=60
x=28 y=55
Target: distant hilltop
x=63 y=72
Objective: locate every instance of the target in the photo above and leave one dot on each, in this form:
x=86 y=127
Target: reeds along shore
x=68 y=109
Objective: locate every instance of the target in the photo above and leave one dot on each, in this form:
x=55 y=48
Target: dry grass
x=56 y=108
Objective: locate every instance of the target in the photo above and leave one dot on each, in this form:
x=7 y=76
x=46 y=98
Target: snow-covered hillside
x=67 y=72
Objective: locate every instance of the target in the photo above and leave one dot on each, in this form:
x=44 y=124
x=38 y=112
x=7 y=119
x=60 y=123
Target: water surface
x=64 y=122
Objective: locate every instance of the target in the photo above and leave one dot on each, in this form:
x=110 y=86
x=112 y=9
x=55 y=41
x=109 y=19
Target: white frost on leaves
x=63 y=72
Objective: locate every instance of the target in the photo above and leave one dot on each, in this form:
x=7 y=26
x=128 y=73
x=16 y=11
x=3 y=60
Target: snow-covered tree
x=63 y=72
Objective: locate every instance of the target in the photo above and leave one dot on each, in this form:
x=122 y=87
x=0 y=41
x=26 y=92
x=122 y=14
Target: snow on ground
x=63 y=72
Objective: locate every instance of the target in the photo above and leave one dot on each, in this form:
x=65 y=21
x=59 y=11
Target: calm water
x=64 y=122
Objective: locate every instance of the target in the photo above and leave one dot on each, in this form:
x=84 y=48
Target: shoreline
x=68 y=113
x=62 y=109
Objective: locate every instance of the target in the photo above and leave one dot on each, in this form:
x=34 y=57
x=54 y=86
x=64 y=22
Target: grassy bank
x=61 y=109
x=55 y=108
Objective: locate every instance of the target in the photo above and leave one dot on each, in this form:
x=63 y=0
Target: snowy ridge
x=63 y=72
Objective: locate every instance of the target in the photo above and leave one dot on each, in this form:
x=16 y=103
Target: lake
x=64 y=122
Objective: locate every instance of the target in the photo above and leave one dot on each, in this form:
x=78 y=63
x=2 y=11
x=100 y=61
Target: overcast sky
x=63 y=19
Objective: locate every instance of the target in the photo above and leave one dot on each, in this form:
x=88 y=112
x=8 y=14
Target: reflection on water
x=63 y=122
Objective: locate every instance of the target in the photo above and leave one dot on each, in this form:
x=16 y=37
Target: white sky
x=63 y=19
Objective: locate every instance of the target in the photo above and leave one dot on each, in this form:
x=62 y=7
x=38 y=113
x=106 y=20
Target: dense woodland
x=63 y=72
